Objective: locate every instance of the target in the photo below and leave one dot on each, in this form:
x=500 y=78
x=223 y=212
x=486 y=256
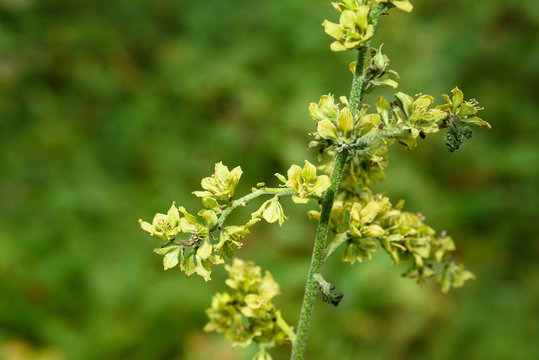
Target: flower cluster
x=247 y=314
x=357 y=142
x=194 y=254
x=338 y=129
x=421 y=118
x=190 y=240
x=354 y=30
x=198 y=250
x=370 y=222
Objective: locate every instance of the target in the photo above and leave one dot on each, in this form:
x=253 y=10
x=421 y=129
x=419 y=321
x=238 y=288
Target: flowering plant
x=352 y=142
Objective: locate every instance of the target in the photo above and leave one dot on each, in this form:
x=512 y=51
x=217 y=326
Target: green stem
x=358 y=83
x=311 y=288
x=243 y=201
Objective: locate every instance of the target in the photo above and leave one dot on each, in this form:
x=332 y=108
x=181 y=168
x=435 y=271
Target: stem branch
x=243 y=201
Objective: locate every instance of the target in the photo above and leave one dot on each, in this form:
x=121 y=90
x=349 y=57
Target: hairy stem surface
x=311 y=289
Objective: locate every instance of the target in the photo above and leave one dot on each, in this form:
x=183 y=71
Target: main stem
x=317 y=259
x=356 y=93
x=311 y=289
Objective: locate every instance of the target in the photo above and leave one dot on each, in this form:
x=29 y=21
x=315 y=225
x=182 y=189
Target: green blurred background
x=110 y=110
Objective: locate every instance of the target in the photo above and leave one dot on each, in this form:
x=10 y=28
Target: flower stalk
x=243 y=201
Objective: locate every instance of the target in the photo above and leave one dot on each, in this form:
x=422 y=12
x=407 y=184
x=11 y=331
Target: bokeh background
x=111 y=110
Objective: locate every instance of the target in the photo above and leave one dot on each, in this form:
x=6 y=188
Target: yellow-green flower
x=326 y=109
x=219 y=186
x=465 y=110
x=332 y=121
x=305 y=182
x=352 y=31
x=271 y=211
x=165 y=227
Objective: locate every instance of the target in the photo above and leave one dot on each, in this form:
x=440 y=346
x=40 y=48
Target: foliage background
x=110 y=110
